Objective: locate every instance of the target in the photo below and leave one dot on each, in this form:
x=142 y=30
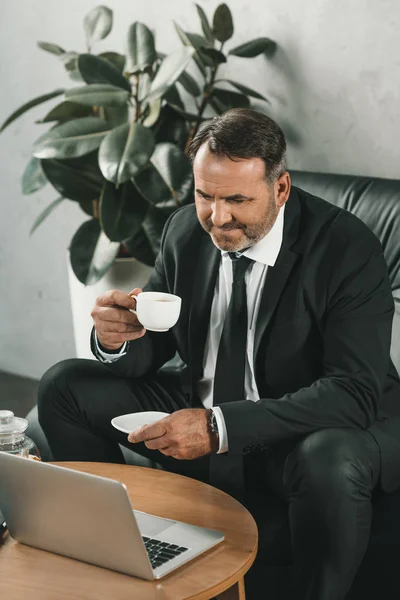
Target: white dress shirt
x=264 y=254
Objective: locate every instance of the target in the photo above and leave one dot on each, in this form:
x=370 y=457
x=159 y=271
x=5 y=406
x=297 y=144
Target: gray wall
x=334 y=87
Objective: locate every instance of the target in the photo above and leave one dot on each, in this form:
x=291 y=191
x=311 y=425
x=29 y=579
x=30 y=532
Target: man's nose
x=220 y=214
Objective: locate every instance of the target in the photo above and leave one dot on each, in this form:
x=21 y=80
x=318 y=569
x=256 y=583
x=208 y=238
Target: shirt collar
x=267 y=249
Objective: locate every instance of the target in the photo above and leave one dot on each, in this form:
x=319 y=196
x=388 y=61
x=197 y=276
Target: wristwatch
x=213 y=423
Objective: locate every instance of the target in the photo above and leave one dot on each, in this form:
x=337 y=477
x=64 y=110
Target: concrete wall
x=334 y=88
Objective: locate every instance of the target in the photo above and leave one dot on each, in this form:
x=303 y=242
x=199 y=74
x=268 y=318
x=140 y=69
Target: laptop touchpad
x=150 y=525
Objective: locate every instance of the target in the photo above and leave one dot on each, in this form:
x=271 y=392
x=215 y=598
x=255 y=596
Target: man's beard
x=251 y=234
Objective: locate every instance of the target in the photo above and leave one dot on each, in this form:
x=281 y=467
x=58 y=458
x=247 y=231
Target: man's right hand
x=113 y=321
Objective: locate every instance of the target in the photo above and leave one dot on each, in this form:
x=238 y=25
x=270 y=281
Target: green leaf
x=205 y=24
x=122 y=211
x=97 y=24
x=76 y=179
x=45 y=213
x=72 y=139
x=140 y=248
x=153 y=113
x=94 y=69
x=245 y=90
x=141 y=51
x=227 y=99
x=188 y=41
x=124 y=151
x=87 y=206
x=33 y=178
x=116 y=115
x=171 y=68
x=154 y=224
x=98 y=94
x=198 y=42
x=216 y=56
x=189 y=83
x=66 y=111
x=152 y=186
x=223 y=23
x=69 y=60
x=91 y=252
x=118 y=60
x=172 y=96
x=172 y=127
x=258 y=46
x=188 y=116
x=175 y=170
x=52 y=48
x=22 y=109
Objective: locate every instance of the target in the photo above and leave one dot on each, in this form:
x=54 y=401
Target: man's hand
x=184 y=435
x=113 y=321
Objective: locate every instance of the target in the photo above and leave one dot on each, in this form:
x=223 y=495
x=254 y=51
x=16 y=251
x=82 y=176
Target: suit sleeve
x=147 y=354
x=356 y=334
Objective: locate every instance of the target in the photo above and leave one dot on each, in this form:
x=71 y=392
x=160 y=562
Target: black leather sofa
x=377 y=203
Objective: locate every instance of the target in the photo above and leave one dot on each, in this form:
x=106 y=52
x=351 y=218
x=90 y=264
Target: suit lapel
x=206 y=271
x=278 y=275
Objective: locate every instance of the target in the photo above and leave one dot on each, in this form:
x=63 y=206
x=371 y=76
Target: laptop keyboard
x=161 y=552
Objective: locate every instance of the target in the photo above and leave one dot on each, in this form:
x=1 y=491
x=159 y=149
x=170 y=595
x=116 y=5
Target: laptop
x=91 y=519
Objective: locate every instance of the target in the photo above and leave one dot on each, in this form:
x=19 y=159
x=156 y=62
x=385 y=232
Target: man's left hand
x=184 y=435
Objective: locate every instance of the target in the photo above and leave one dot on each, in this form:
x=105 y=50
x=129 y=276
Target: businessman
x=288 y=394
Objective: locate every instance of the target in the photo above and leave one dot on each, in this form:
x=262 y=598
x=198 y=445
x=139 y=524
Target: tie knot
x=240 y=264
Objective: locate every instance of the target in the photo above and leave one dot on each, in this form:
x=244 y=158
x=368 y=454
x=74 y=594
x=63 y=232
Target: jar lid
x=9 y=424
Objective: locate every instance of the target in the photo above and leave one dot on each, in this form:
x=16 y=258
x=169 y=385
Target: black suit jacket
x=322 y=336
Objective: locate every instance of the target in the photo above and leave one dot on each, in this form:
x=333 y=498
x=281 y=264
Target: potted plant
x=117 y=140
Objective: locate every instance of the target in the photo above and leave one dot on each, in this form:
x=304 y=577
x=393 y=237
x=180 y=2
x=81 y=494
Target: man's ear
x=282 y=189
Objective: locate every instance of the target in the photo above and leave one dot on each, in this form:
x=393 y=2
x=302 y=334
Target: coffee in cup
x=157 y=311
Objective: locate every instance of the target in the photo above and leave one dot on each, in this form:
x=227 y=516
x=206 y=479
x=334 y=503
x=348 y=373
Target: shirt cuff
x=105 y=357
x=222 y=432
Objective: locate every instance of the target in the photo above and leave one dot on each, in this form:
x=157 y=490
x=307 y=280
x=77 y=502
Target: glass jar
x=12 y=436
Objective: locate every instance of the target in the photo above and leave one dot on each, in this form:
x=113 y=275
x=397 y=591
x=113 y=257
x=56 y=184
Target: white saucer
x=132 y=421
x=158 y=330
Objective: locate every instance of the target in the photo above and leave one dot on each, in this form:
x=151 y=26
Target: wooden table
x=30 y=574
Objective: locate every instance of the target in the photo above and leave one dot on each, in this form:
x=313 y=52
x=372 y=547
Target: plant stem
x=95 y=208
x=206 y=97
x=137 y=101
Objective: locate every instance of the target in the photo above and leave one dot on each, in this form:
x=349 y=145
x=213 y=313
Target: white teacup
x=157 y=311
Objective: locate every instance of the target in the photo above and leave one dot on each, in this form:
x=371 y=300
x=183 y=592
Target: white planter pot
x=125 y=275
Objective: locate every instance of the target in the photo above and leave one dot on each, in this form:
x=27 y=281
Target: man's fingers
x=157 y=444
x=135 y=292
x=113 y=327
x=107 y=313
x=116 y=298
x=147 y=432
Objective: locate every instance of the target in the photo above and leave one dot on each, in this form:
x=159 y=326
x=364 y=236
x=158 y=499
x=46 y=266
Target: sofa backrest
x=377 y=203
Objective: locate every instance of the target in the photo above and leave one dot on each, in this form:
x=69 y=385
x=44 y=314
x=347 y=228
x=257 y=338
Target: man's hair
x=244 y=133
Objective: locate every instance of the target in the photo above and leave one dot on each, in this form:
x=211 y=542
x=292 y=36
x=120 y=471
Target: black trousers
x=311 y=498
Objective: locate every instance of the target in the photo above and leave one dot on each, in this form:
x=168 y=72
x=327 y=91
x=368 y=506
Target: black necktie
x=231 y=360
x=226 y=471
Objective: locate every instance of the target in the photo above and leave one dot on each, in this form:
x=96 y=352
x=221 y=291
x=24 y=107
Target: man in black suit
x=285 y=332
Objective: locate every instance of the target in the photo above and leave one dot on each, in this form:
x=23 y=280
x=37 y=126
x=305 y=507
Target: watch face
x=214 y=426
x=2 y=522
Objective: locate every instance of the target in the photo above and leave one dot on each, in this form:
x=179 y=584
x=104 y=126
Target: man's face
x=234 y=202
